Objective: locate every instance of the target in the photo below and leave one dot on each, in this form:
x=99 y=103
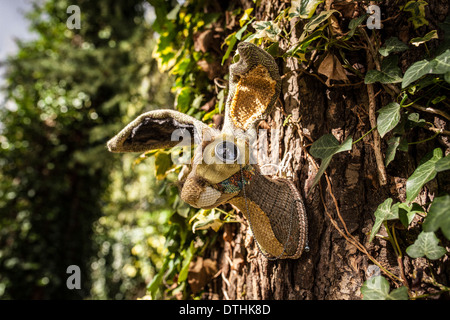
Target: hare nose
x=199 y=195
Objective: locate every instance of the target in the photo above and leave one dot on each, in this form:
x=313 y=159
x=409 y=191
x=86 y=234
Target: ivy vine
x=422 y=88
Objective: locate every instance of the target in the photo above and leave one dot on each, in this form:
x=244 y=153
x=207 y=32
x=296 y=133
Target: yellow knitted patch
x=252 y=97
x=261 y=226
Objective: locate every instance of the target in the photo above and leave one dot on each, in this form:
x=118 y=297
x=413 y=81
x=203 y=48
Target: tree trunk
x=333 y=268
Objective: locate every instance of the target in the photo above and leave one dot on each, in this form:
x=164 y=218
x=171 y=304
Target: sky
x=12 y=25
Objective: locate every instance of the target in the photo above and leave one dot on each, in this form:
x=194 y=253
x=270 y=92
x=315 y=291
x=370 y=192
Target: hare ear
x=255 y=85
x=154 y=130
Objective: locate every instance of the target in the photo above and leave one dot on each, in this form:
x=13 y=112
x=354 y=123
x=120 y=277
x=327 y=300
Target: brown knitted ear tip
x=113 y=145
x=276 y=216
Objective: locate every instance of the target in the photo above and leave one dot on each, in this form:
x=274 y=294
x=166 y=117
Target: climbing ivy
x=422 y=87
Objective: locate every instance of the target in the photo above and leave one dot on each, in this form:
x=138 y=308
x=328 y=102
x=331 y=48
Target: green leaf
x=393 y=144
x=392 y=44
x=221 y=100
x=388 y=118
x=430 y=35
x=324 y=148
x=399 y=294
x=173 y=14
x=265 y=30
x=273 y=49
x=438 y=99
x=442 y=63
x=183 y=209
x=423 y=173
x=443 y=164
x=447 y=77
x=327 y=146
x=182 y=276
x=426 y=245
x=377 y=288
x=417 y=70
x=210 y=220
x=183 y=99
x=153 y=286
x=390 y=72
x=373 y=76
x=317 y=20
x=439 y=216
x=163 y=163
x=384 y=212
x=407 y=212
x=417 y=9
x=305 y=41
x=415 y=121
x=303 y=8
x=233 y=38
x=355 y=23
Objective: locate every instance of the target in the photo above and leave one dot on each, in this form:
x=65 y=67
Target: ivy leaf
x=318 y=19
x=390 y=72
x=266 y=30
x=393 y=144
x=417 y=70
x=233 y=38
x=324 y=148
x=373 y=76
x=415 y=121
x=273 y=49
x=303 y=8
x=430 y=35
x=443 y=164
x=354 y=23
x=377 y=288
x=426 y=245
x=153 y=286
x=388 y=118
x=423 y=173
x=163 y=163
x=384 y=212
x=210 y=220
x=417 y=9
x=392 y=44
x=407 y=212
x=438 y=99
x=442 y=63
x=439 y=65
x=439 y=216
x=182 y=276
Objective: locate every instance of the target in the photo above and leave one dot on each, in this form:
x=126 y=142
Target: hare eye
x=227 y=151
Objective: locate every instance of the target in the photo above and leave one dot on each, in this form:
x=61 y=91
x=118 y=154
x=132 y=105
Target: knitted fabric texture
x=252 y=97
x=235 y=182
x=276 y=199
x=273 y=207
x=208 y=197
x=262 y=229
x=153 y=130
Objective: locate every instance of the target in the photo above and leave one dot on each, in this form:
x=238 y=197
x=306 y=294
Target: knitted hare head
x=221 y=168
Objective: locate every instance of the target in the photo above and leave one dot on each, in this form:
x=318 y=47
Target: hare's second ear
x=156 y=130
x=255 y=85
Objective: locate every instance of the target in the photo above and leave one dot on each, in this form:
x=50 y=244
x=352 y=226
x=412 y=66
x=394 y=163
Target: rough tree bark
x=333 y=268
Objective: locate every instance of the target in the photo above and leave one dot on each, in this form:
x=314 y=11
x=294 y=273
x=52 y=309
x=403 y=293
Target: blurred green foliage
x=64 y=199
